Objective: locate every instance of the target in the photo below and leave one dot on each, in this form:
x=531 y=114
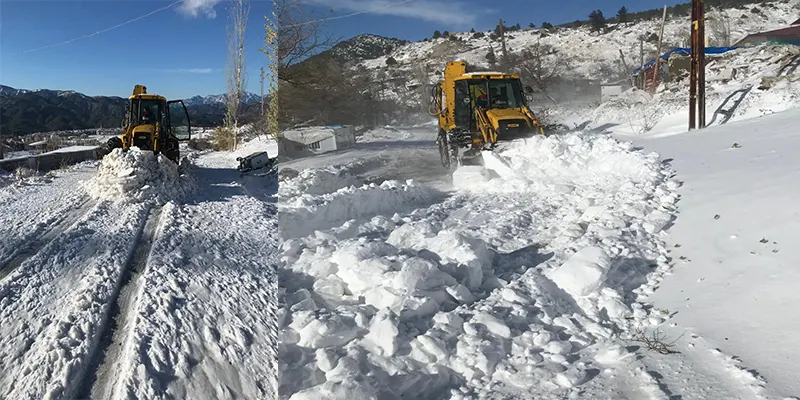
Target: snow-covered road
x=530 y=285
x=139 y=281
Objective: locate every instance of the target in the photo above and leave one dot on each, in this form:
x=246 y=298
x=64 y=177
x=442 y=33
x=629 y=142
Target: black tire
x=172 y=150
x=444 y=152
x=114 y=143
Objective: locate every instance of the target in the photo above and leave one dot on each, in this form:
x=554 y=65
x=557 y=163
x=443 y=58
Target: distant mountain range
x=25 y=111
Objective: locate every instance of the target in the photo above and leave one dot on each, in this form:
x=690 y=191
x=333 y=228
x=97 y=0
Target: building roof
x=790 y=32
x=309 y=135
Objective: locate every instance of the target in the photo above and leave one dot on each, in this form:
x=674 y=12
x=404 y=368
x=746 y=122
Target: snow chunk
x=470 y=176
x=583 y=273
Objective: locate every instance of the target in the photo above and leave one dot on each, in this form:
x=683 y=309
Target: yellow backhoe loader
x=476 y=110
x=153 y=123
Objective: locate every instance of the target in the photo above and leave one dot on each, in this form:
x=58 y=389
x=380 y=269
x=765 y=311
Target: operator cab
x=153 y=123
x=487 y=93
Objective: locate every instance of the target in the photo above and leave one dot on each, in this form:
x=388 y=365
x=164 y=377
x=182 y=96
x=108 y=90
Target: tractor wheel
x=444 y=151
x=114 y=143
x=172 y=150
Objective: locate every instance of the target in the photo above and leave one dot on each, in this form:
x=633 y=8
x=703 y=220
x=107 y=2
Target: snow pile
x=302 y=215
x=138 y=175
x=316 y=181
x=510 y=285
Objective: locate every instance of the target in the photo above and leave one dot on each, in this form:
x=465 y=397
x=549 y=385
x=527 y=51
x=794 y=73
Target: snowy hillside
x=364 y=47
x=584 y=55
x=761 y=79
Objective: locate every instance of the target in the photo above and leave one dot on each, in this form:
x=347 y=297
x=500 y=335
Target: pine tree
x=622 y=15
x=597 y=20
x=437 y=34
x=547 y=25
x=531 y=25
x=491 y=57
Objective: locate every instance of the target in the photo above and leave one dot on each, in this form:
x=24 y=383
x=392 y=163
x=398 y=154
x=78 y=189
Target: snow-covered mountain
x=26 y=111
x=365 y=47
x=582 y=54
x=219 y=99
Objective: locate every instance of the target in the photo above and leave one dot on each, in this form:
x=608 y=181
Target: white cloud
x=193 y=8
x=449 y=13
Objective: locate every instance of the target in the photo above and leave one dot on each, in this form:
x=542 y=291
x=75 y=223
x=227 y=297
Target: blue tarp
x=685 y=51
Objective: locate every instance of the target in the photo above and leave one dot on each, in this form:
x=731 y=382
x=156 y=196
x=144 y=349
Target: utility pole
x=701 y=65
x=262 y=90
x=697 y=76
x=657 y=70
x=503 y=44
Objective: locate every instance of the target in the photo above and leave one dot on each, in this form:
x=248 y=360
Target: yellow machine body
x=475 y=110
x=153 y=123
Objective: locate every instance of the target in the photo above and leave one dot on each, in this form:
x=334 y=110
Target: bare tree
x=271 y=50
x=720 y=26
x=235 y=73
x=299 y=37
x=292 y=38
x=424 y=89
x=541 y=65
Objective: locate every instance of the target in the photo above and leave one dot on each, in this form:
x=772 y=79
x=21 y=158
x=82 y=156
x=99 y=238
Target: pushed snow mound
x=316 y=181
x=304 y=214
x=508 y=285
x=137 y=176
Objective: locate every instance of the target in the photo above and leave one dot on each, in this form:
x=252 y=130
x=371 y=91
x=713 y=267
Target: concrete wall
x=53 y=160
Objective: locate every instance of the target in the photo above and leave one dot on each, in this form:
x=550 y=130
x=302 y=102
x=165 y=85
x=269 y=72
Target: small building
x=608 y=92
x=674 y=64
x=790 y=35
x=309 y=141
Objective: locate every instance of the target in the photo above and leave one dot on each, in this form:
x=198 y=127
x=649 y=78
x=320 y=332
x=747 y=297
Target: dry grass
x=223 y=139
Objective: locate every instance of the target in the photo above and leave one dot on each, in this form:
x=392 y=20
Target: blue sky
x=417 y=19
x=178 y=52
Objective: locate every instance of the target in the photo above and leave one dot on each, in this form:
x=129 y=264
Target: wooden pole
x=262 y=90
x=641 y=63
x=624 y=64
x=503 y=44
x=693 y=69
x=701 y=65
x=656 y=70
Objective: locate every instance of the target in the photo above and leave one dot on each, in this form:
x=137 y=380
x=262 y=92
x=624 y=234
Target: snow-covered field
x=735 y=280
x=136 y=278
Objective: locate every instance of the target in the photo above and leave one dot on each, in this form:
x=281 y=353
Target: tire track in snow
x=99 y=380
x=22 y=255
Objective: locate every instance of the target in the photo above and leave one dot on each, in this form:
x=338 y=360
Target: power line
x=348 y=15
x=102 y=31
